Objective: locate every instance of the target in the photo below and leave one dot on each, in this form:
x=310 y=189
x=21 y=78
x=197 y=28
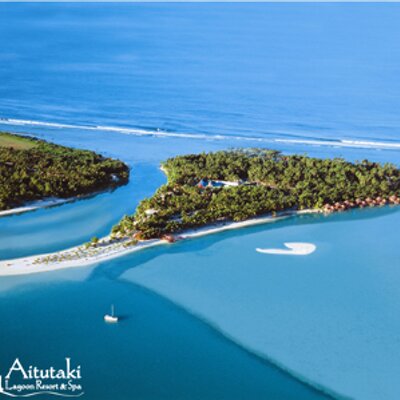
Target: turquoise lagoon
x=211 y=317
x=208 y=318
x=331 y=318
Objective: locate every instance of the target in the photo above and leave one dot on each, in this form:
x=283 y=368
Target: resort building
x=203 y=183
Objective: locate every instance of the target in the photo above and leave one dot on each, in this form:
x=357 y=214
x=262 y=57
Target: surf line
x=302 y=140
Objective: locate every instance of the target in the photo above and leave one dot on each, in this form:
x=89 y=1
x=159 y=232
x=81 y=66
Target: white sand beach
x=35 y=205
x=107 y=249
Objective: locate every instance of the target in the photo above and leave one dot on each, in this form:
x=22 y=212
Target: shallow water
x=327 y=316
x=157 y=351
x=146 y=82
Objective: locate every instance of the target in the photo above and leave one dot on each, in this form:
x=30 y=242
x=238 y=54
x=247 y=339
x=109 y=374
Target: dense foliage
x=270 y=182
x=34 y=169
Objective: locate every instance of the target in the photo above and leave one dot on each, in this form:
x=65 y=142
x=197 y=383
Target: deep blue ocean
x=209 y=319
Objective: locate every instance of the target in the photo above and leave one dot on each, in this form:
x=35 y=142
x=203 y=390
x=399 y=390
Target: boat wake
x=267 y=138
x=293 y=249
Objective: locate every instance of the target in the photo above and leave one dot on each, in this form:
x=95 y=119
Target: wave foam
x=370 y=144
x=123 y=130
x=344 y=143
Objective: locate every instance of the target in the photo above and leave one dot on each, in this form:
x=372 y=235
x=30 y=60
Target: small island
x=33 y=169
x=212 y=192
x=238 y=185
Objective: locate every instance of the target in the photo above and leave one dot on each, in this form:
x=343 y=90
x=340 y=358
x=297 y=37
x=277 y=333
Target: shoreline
x=108 y=249
x=50 y=202
x=36 y=205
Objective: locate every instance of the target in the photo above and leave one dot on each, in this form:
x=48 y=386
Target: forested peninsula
x=208 y=193
x=241 y=184
x=33 y=169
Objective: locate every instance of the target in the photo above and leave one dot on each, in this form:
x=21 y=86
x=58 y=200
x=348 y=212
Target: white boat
x=111 y=318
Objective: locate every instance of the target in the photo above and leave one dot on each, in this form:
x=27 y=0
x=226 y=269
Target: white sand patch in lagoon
x=293 y=249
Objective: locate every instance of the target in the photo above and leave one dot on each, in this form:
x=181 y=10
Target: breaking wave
x=370 y=144
x=364 y=144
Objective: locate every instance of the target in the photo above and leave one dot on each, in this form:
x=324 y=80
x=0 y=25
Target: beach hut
x=169 y=238
x=137 y=235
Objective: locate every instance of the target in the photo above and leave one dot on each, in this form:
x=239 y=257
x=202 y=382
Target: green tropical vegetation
x=16 y=141
x=33 y=169
x=267 y=181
